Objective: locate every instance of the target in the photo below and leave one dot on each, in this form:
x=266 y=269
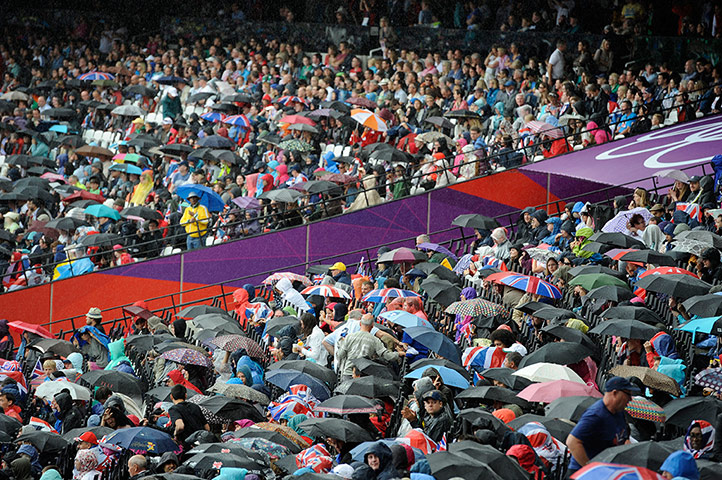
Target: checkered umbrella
x=477 y=307
x=187 y=356
x=231 y=343
x=710 y=378
x=644 y=409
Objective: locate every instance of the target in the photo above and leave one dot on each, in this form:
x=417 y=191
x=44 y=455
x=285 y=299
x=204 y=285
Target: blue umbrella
x=284 y=378
x=78 y=267
x=209 y=199
x=450 y=376
x=711 y=325
x=435 y=341
x=127 y=168
x=59 y=128
x=405 y=319
x=101 y=210
x=142 y=440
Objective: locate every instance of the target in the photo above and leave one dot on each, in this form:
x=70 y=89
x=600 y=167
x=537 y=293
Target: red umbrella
x=362 y=102
x=497 y=277
x=298 y=119
x=549 y=391
x=667 y=271
x=136 y=311
x=617 y=253
x=339 y=178
x=32 y=328
x=84 y=195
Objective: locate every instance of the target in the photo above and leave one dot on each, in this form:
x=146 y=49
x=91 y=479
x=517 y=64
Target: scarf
x=141 y=191
x=707 y=438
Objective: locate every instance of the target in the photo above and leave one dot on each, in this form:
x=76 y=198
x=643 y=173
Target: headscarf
x=653 y=237
x=707 y=438
x=246 y=374
x=179 y=379
x=295 y=421
x=141 y=191
x=85 y=461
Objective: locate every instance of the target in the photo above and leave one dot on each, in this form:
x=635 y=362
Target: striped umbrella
x=96 y=76
x=294 y=277
x=369 y=119
x=214 y=117
x=238 y=120
x=325 y=291
x=289 y=100
x=477 y=307
x=645 y=409
x=381 y=295
x=532 y=285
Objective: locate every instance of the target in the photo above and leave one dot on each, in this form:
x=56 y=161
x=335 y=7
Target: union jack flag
x=363 y=268
x=42 y=425
x=317 y=458
x=691 y=209
x=441 y=446
x=17 y=377
x=10 y=366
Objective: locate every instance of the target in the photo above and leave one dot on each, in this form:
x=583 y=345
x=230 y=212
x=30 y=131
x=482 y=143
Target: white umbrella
x=674 y=174
x=128 y=111
x=541 y=254
x=548 y=372
x=620 y=220
x=688 y=245
x=47 y=390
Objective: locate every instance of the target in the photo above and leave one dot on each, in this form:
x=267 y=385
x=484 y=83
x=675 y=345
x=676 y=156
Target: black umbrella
x=284 y=195
x=570 y=335
x=504 y=375
x=228 y=156
x=558 y=428
x=587 y=269
x=682 y=411
x=140 y=90
x=531 y=307
x=561 y=353
x=9 y=425
x=116 y=381
x=709 y=470
x=162 y=394
x=99 y=432
x=315 y=370
x=75 y=141
x=83 y=203
x=46 y=442
x=318 y=186
x=32 y=182
x=488 y=455
x=626 y=329
x=433 y=362
x=440 y=122
x=196 y=310
x=496 y=394
x=614 y=293
x=704 y=305
x=553 y=313
x=53 y=345
x=441 y=291
x=369 y=387
x=703 y=236
x=147 y=342
x=633 y=313
x=18 y=159
x=481 y=415
x=143 y=143
x=461 y=113
x=214 y=321
x=369 y=367
x=617 y=239
x=59 y=112
x=215 y=141
x=570 y=408
x=203 y=463
x=142 y=212
x=391 y=155
x=335 y=428
x=446 y=465
x=231 y=408
x=674 y=285
x=14 y=196
x=36 y=192
x=100 y=240
x=649 y=256
x=170 y=476
x=439 y=270
x=275 y=437
x=336 y=105
x=237 y=97
x=275 y=325
x=649 y=454
x=474 y=220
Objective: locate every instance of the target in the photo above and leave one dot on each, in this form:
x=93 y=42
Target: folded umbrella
x=495 y=394
x=626 y=329
x=335 y=428
x=347 y=404
x=320 y=372
x=450 y=376
x=436 y=342
x=570 y=408
x=649 y=377
x=549 y=391
x=678 y=286
x=284 y=378
x=562 y=353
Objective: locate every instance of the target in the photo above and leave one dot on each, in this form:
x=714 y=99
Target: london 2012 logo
x=675 y=146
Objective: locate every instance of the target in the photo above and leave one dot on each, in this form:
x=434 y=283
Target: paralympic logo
x=674 y=146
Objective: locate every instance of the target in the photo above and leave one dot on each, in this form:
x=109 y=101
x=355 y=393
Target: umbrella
x=615 y=293
x=626 y=329
x=390 y=155
x=553 y=313
x=436 y=248
x=58 y=347
x=674 y=174
x=188 y=356
x=347 y=404
x=471 y=415
x=128 y=111
x=15 y=96
x=501 y=464
x=127 y=168
x=102 y=211
x=94 y=151
x=207 y=462
x=373 y=369
x=651 y=378
x=215 y=141
x=437 y=269
x=645 y=409
x=294 y=144
x=649 y=256
x=649 y=454
x=47 y=390
x=450 y=376
x=687 y=245
x=559 y=428
x=473 y=220
x=608 y=471
x=294 y=277
x=285 y=195
x=405 y=319
x=241 y=447
x=325 y=291
x=532 y=285
x=704 y=236
x=495 y=394
x=231 y=408
x=116 y=381
x=446 y=465
x=162 y=394
x=141 y=212
x=196 y=310
x=20 y=326
x=336 y=428
x=700 y=305
x=441 y=291
x=141 y=90
x=383 y=294
x=682 y=411
x=270 y=435
x=635 y=313
x=461 y=113
x=708 y=469
x=594 y=280
x=562 y=353
x=549 y=391
x=369 y=387
x=436 y=342
x=315 y=370
x=570 y=408
x=247 y=203
x=362 y=102
x=440 y=122
x=208 y=198
x=570 y=335
x=231 y=343
x=430 y=137
x=216 y=321
x=711 y=325
x=710 y=378
x=504 y=375
x=678 y=286
x=285 y=378
x=402 y=255
x=548 y=372
x=99 y=432
x=621 y=220
x=9 y=425
x=317 y=186
x=276 y=324
x=240 y=391
x=46 y=442
x=617 y=239
x=297 y=119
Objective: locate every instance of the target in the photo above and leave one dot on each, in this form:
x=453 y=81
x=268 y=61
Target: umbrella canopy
x=711 y=325
x=609 y=471
x=553 y=313
x=559 y=428
x=626 y=329
x=474 y=220
x=710 y=378
x=405 y=319
x=347 y=404
x=504 y=375
x=440 y=122
x=285 y=378
x=325 y=291
x=369 y=387
x=116 y=381
x=196 y=310
x=678 y=286
x=94 y=151
x=188 y=356
x=335 y=428
x=450 y=376
x=649 y=256
x=402 y=255
x=369 y=367
x=704 y=236
x=501 y=464
x=285 y=195
x=647 y=454
x=570 y=408
x=142 y=212
x=240 y=391
x=208 y=198
x=645 y=409
x=436 y=342
x=435 y=247
x=102 y=211
x=9 y=425
x=615 y=293
x=381 y=295
x=441 y=291
x=270 y=435
x=320 y=372
x=701 y=305
x=231 y=408
x=219 y=322
x=590 y=281
x=495 y=394
x=617 y=239
x=59 y=347
x=20 y=326
x=532 y=285
x=207 y=462
x=549 y=391
x=46 y=442
x=276 y=324
x=682 y=411
x=446 y=465
x=650 y=378
x=231 y=343
x=634 y=313
x=562 y=353
x=47 y=390
x=570 y=335
x=548 y=372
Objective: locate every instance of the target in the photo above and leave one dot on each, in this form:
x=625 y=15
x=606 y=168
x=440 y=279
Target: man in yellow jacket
x=195 y=220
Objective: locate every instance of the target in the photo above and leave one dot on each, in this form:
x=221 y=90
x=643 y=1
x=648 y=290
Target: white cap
x=167 y=121
x=172 y=92
x=343 y=470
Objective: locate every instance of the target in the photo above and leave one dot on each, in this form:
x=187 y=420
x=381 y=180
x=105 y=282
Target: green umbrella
x=590 y=281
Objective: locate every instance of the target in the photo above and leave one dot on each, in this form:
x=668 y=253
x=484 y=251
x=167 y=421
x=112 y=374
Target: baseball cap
x=87 y=437
x=338 y=266
x=434 y=395
x=621 y=383
x=510 y=83
x=172 y=92
x=193 y=194
x=695 y=178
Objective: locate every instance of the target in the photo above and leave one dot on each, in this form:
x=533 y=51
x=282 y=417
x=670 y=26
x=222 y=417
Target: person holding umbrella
x=195 y=219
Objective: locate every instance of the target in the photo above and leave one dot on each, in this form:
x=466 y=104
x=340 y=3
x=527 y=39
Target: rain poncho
x=708 y=434
x=583 y=235
x=141 y=191
x=556 y=222
x=117 y=354
x=653 y=238
x=178 y=379
x=96 y=348
x=681 y=464
x=77 y=360
x=291 y=295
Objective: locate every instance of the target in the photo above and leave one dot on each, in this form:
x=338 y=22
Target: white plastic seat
x=337 y=150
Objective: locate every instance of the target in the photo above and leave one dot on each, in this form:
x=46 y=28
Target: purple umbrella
x=436 y=248
x=248 y=203
x=188 y=356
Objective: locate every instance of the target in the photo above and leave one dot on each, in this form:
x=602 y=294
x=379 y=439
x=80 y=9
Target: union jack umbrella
x=214 y=117
x=96 y=76
x=418 y=439
x=381 y=295
x=612 y=471
x=238 y=120
x=531 y=284
x=369 y=119
x=325 y=291
x=294 y=277
x=289 y=100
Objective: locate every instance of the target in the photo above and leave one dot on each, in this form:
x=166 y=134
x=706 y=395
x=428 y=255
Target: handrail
x=444 y=171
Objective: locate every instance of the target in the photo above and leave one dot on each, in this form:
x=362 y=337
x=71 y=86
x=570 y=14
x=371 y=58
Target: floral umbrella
x=187 y=356
x=231 y=343
x=287 y=432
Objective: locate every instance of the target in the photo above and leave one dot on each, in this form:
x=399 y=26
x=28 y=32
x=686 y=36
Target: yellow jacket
x=195 y=220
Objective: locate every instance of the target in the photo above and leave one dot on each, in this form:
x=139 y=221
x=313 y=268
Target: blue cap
x=433 y=394
x=621 y=383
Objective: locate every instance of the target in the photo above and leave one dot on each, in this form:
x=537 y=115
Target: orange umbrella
x=369 y=119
